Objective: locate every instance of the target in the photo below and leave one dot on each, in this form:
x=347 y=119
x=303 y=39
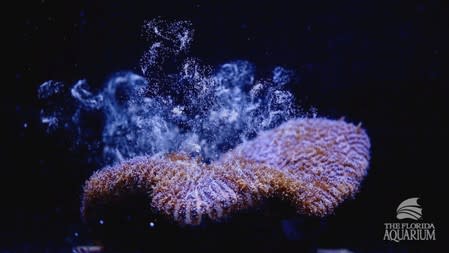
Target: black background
x=382 y=63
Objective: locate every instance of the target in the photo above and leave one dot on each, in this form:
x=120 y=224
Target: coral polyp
x=313 y=164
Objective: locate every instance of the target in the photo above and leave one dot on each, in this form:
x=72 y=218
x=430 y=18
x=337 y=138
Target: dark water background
x=383 y=63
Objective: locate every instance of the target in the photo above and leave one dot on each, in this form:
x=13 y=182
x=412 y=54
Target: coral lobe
x=314 y=164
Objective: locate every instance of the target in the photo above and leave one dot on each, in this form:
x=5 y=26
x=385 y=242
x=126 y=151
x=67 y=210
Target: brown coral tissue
x=311 y=164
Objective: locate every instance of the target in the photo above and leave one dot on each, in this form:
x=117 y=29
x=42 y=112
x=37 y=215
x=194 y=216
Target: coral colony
x=204 y=143
x=314 y=164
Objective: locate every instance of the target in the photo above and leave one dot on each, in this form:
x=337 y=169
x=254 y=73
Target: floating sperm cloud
x=196 y=109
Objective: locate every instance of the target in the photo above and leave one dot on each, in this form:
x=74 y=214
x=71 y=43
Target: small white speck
x=25 y=125
x=178 y=110
x=152 y=224
x=101 y=222
x=76 y=234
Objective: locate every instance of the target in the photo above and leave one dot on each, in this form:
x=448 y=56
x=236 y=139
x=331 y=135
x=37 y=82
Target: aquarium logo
x=409 y=209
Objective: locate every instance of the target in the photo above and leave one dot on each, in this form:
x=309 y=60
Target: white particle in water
x=49 y=89
x=178 y=110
